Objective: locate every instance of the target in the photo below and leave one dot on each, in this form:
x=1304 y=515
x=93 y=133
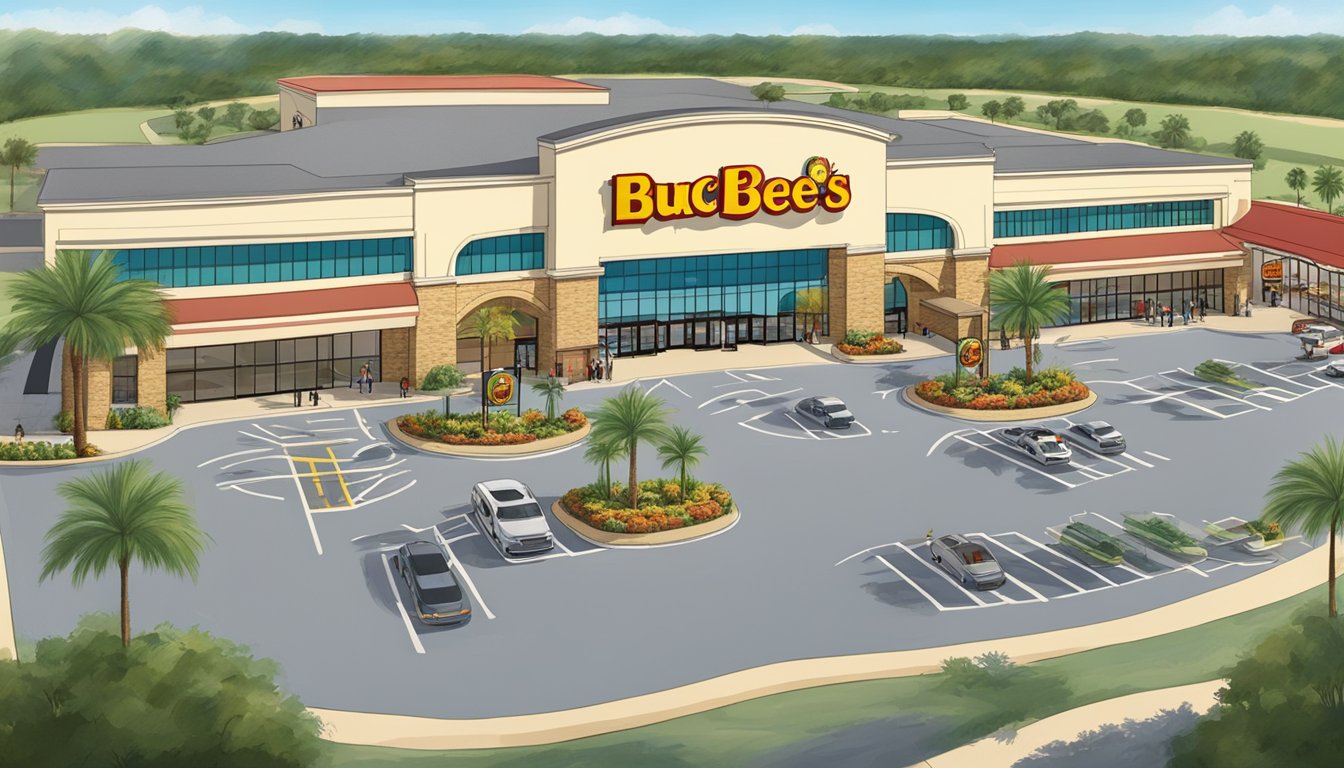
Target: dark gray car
x=829 y=412
x=969 y=562
x=437 y=597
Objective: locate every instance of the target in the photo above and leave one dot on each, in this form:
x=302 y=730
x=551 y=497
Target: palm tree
x=1328 y=182
x=80 y=299
x=124 y=514
x=1173 y=132
x=602 y=453
x=1297 y=181
x=553 y=390
x=18 y=153
x=1309 y=494
x=493 y=324
x=810 y=303
x=682 y=450
x=1023 y=299
x=627 y=419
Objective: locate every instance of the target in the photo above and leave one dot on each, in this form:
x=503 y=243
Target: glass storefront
x=267 y=367
x=703 y=302
x=1117 y=298
x=1100 y=218
x=895 y=302
x=1306 y=286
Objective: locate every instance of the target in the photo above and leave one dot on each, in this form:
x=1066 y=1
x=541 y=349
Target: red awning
x=267 y=306
x=1312 y=234
x=1203 y=243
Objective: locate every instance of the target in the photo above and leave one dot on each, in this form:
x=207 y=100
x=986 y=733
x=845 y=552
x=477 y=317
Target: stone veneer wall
x=151 y=380
x=972 y=279
x=855 y=287
x=1236 y=282
x=100 y=389
x=574 y=318
x=394 y=350
x=433 y=340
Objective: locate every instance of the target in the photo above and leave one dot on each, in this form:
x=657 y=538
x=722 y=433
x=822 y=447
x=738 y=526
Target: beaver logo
x=970 y=353
x=499 y=388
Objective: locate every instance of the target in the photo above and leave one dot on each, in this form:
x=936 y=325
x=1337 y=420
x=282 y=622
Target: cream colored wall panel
x=292 y=101
x=272 y=331
x=1018 y=191
x=459 y=98
x=690 y=147
x=961 y=194
x=448 y=219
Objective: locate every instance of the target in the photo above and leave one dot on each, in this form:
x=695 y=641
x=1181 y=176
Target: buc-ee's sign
x=736 y=192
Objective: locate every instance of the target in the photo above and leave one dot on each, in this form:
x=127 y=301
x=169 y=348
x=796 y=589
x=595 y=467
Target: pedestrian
x=405 y=386
x=368 y=375
x=1248 y=307
x=610 y=365
x=1166 y=315
x=1140 y=308
x=599 y=369
x=592 y=369
x=1203 y=308
x=18 y=435
x=1185 y=312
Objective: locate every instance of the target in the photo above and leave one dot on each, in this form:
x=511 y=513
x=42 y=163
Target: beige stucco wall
x=449 y=215
x=686 y=148
x=291 y=101
x=958 y=191
x=459 y=98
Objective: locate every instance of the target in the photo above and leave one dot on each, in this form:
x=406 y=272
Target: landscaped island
x=663 y=506
x=1004 y=391
x=858 y=343
x=502 y=428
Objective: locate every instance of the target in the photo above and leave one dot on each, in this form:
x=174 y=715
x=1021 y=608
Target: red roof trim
x=1209 y=242
x=262 y=306
x=355 y=83
x=1316 y=235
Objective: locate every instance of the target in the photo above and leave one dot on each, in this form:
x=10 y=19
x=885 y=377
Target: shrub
x=503 y=428
x=660 y=507
x=64 y=422
x=442 y=377
x=113 y=420
x=139 y=417
x=1004 y=391
x=857 y=338
x=38 y=451
x=172 y=404
x=574 y=417
x=532 y=417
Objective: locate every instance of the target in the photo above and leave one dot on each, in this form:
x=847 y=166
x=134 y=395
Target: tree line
x=43 y=73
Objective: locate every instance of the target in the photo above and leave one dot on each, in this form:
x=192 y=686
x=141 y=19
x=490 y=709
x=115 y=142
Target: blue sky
x=686 y=17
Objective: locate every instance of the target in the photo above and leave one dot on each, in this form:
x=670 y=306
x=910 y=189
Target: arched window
x=917 y=232
x=506 y=253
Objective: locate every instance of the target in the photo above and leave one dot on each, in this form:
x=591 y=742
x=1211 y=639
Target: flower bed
x=661 y=506
x=1004 y=391
x=502 y=428
x=858 y=343
x=41 y=450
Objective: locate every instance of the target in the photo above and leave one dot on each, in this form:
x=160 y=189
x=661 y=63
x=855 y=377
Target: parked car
x=1335 y=369
x=510 y=514
x=829 y=412
x=437 y=597
x=1043 y=445
x=1319 y=339
x=967 y=561
x=1098 y=436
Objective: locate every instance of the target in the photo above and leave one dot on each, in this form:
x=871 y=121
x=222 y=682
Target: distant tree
x=957 y=102
x=837 y=100
x=234 y=115
x=199 y=133
x=1043 y=114
x=1012 y=107
x=182 y=119
x=263 y=119
x=767 y=93
x=991 y=109
x=1135 y=118
x=1173 y=132
x=1328 y=183
x=1248 y=146
x=1092 y=121
x=1297 y=181
x=18 y=154
x=1058 y=110
x=180 y=101
x=206 y=114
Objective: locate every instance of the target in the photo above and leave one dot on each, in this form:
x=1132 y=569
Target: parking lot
x=305 y=509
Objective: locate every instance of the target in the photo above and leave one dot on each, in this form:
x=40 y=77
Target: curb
x=476 y=451
x=869 y=359
x=658 y=538
x=1018 y=414
x=1279 y=583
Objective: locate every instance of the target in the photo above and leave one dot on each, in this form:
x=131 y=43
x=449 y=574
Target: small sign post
x=970 y=353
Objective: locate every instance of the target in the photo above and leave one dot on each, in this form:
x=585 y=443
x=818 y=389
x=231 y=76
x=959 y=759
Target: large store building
x=621 y=216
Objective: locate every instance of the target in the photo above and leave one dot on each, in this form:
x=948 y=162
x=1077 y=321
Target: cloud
x=191 y=20
x=622 y=24
x=824 y=30
x=1278 y=20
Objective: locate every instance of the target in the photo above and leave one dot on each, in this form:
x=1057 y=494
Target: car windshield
x=441 y=595
x=836 y=408
x=428 y=564
x=520 y=511
x=1048 y=445
x=973 y=554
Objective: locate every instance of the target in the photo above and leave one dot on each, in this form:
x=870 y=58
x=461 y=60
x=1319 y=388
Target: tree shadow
x=1131 y=743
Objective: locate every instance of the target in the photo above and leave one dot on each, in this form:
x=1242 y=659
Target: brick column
x=433 y=340
x=572 y=325
x=394 y=349
x=100 y=389
x=855 y=284
x=972 y=276
x=151 y=380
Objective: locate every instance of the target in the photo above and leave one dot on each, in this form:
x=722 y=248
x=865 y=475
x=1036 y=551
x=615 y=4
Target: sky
x=685 y=17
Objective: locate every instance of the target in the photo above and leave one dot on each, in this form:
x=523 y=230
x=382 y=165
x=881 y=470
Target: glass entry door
x=525 y=354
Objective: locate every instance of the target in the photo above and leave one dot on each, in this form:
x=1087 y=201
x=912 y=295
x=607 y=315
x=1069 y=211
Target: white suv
x=511 y=515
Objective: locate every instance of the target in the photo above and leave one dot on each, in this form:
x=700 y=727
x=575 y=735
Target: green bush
x=64 y=422
x=174 y=698
x=433 y=425
x=171 y=404
x=442 y=377
x=614 y=526
x=857 y=338
x=39 y=450
x=113 y=420
x=139 y=417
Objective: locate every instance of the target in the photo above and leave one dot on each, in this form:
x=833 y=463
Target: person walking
x=368 y=375
x=1141 y=309
x=610 y=365
x=1185 y=313
x=599 y=369
x=1203 y=308
x=405 y=387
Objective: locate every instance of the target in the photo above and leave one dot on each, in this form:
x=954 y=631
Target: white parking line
x=382 y=480
x=233 y=464
x=254 y=493
x=809 y=432
x=1137 y=460
x=1022 y=464
x=466 y=577
x=1100 y=360
x=307 y=512
x=668 y=383
x=1056 y=576
x=1062 y=555
x=920 y=589
x=859 y=424
x=885 y=392
x=1275 y=375
x=864 y=552
x=324 y=421
x=1157 y=456
x=974 y=597
x=734 y=375
x=758 y=377
x=405 y=619
x=231 y=455
x=356 y=454
x=1039 y=597
x=1103 y=457
x=1211 y=388
x=456 y=539
x=359 y=419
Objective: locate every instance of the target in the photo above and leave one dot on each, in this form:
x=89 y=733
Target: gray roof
x=376 y=147
x=22 y=230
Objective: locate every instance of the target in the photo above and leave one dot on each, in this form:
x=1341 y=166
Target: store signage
x=1300 y=326
x=970 y=352
x=737 y=192
x=1271 y=271
x=500 y=388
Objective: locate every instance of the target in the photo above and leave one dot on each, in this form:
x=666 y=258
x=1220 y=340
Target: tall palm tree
x=602 y=453
x=553 y=390
x=627 y=419
x=1328 y=182
x=1297 y=181
x=116 y=516
x=682 y=450
x=80 y=299
x=810 y=303
x=18 y=153
x=1308 y=494
x=1023 y=299
x=493 y=324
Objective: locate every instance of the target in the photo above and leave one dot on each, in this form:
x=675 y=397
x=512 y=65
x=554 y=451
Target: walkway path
x=1067 y=726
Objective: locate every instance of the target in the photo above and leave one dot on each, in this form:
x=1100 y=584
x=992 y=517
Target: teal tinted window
x=272 y=263
x=917 y=232
x=1098 y=218
x=507 y=253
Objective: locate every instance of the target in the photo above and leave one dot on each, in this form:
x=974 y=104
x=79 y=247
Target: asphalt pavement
x=829 y=557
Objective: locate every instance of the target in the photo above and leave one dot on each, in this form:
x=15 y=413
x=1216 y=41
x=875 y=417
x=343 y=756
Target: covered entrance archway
x=512 y=338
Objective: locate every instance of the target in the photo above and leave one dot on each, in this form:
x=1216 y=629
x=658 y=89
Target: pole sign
x=501 y=387
x=970 y=353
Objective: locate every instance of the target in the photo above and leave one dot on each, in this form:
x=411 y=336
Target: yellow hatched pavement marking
x=340 y=478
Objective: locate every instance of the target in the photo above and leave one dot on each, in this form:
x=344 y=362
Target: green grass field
x=746 y=733
x=1289 y=140
x=5 y=279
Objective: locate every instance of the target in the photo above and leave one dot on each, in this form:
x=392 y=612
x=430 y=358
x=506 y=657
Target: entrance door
x=525 y=354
